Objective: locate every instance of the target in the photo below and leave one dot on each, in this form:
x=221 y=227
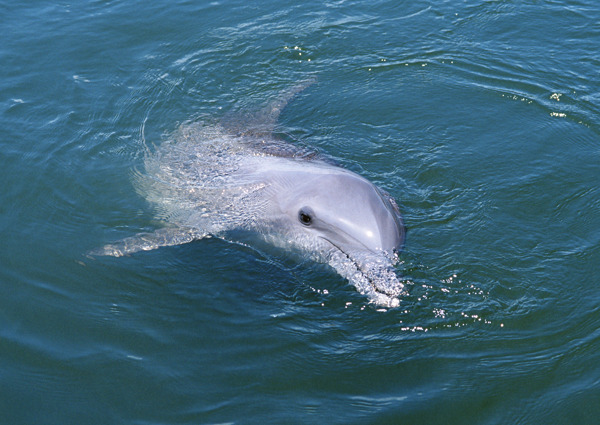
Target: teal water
x=480 y=118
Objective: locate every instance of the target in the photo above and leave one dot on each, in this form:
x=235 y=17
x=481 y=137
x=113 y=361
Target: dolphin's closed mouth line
x=360 y=269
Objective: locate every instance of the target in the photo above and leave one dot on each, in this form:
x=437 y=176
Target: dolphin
x=237 y=179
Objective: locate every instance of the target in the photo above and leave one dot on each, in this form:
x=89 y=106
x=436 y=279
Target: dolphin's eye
x=305 y=217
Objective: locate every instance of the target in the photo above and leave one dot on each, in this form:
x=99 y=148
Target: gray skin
x=336 y=205
x=213 y=180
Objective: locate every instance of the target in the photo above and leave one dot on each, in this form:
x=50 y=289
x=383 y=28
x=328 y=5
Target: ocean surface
x=482 y=120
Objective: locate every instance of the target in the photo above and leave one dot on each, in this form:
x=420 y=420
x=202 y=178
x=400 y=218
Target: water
x=480 y=118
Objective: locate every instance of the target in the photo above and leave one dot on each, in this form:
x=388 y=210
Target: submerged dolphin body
x=214 y=180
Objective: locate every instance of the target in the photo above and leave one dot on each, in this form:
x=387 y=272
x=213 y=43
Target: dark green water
x=480 y=118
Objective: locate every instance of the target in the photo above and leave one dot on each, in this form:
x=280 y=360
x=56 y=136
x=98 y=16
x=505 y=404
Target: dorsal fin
x=263 y=122
x=270 y=114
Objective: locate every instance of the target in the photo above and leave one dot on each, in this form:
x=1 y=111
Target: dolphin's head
x=348 y=212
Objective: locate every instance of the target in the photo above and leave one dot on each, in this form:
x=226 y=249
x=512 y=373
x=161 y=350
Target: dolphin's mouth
x=374 y=287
